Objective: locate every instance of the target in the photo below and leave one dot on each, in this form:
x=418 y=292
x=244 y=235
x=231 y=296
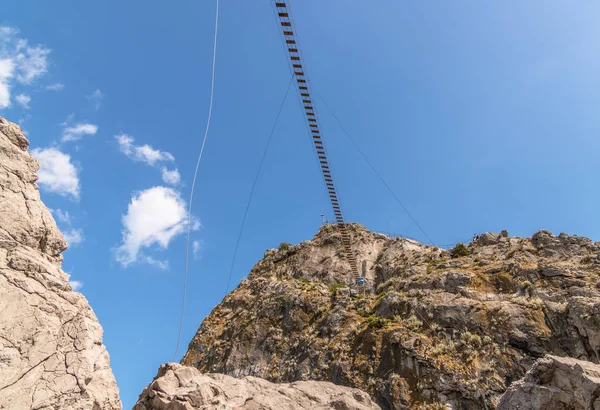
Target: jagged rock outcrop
x=51 y=352
x=434 y=331
x=178 y=387
x=555 y=383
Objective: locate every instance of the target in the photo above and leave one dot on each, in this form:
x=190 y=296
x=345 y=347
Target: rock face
x=178 y=387
x=432 y=331
x=51 y=352
x=555 y=383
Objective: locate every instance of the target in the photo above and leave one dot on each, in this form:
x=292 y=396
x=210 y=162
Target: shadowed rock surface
x=555 y=383
x=434 y=330
x=180 y=387
x=51 y=352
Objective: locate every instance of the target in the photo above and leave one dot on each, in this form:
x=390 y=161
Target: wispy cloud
x=96 y=98
x=62 y=216
x=57 y=174
x=76 y=284
x=143 y=153
x=23 y=100
x=154 y=217
x=73 y=236
x=31 y=62
x=78 y=131
x=19 y=61
x=162 y=265
x=170 y=177
x=150 y=156
x=55 y=87
x=196 y=249
x=6 y=72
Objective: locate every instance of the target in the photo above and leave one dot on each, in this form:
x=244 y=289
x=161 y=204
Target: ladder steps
x=288 y=30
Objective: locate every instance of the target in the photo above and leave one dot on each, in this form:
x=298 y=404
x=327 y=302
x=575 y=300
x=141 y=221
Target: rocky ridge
x=51 y=352
x=438 y=329
x=180 y=387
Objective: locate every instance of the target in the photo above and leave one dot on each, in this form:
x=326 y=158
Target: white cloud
x=154 y=217
x=23 y=100
x=76 y=284
x=162 y=265
x=73 y=236
x=78 y=131
x=143 y=153
x=6 y=32
x=6 y=73
x=96 y=98
x=66 y=122
x=32 y=62
x=55 y=87
x=57 y=173
x=170 y=177
x=196 y=248
x=21 y=121
x=19 y=61
x=62 y=216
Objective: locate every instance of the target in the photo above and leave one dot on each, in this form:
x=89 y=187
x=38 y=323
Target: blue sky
x=481 y=117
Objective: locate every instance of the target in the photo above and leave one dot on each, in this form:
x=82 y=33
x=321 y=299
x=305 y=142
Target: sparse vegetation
x=336 y=286
x=435 y=327
x=471 y=339
x=438 y=405
x=363 y=312
x=376 y=321
x=413 y=323
x=394 y=283
x=304 y=281
x=460 y=249
x=284 y=246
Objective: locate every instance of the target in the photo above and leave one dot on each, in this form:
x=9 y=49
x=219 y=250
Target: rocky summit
x=51 y=352
x=435 y=329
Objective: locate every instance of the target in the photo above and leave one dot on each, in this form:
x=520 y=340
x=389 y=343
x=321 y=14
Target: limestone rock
x=555 y=383
x=180 y=387
x=431 y=330
x=51 y=352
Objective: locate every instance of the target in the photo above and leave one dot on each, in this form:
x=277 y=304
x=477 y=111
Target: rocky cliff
x=436 y=327
x=51 y=352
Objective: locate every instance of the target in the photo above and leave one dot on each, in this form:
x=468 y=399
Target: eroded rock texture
x=555 y=383
x=51 y=352
x=437 y=330
x=178 y=387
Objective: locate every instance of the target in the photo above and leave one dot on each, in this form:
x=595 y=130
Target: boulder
x=180 y=387
x=555 y=383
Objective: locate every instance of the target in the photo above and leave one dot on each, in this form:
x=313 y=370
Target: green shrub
x=459 y=250
x=304 y=281
x=376 y=321
x=336 y=286
x=284 y=246
x=471 y=339
x=413 y=323
x=363 y=312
